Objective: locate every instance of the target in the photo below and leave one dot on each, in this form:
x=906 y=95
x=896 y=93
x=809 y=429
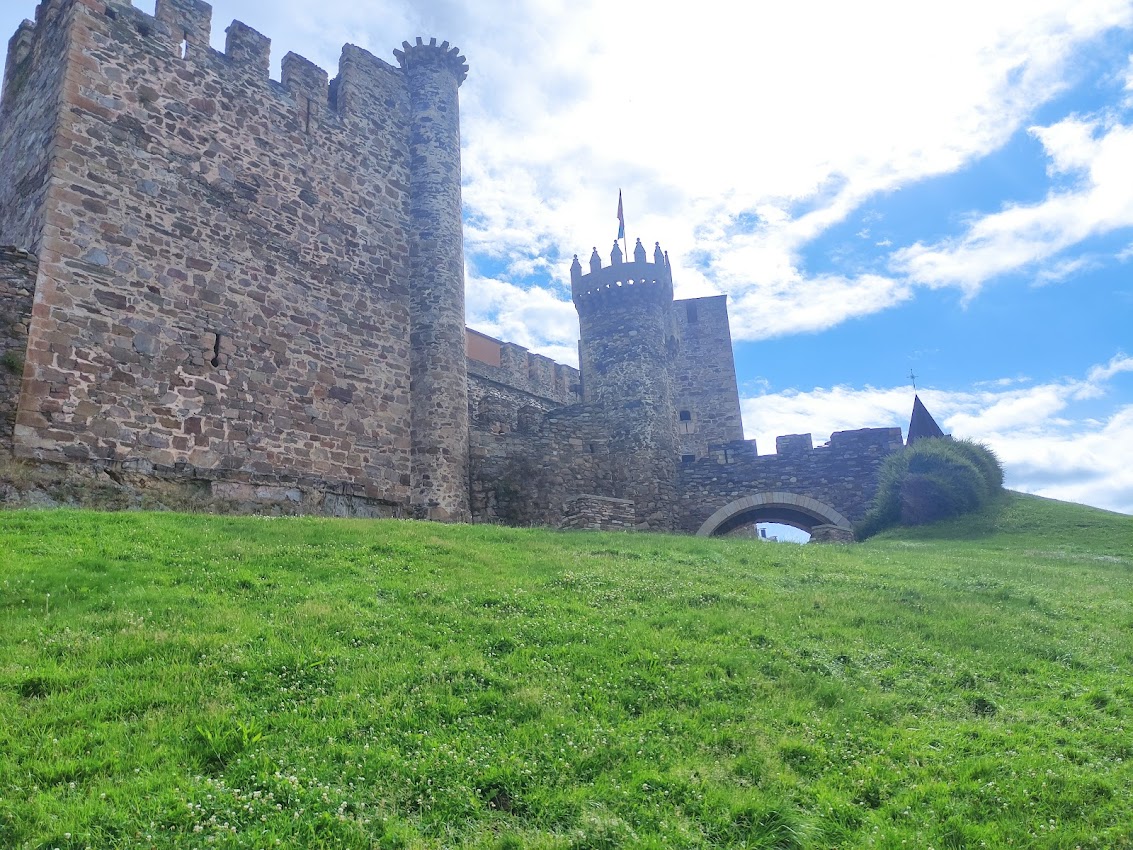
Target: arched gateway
x=802 y=512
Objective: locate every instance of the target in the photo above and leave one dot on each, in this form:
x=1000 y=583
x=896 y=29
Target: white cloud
x=1021 y=236
x=1048 y=444
x=799 y=305
x=532 y=318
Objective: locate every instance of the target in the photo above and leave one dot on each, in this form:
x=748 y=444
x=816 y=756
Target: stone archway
x=801 y=512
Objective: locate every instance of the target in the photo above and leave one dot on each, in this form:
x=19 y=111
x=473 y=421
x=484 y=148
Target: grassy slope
x=182 y=681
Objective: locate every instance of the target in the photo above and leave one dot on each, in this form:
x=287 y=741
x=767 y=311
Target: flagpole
x=622 y=227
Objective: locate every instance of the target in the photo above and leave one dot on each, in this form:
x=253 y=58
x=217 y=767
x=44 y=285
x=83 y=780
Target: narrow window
x=216 y=352
x=185 y=46
x=307 y=116
x=690 y=311
x=688 y=458
x=591 y=446
x=686 y=416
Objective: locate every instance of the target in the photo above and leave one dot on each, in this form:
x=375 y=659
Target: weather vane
x=913 y=378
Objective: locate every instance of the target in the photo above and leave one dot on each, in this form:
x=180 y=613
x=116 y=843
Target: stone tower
x=251 y=284
x=438 y=365
x=626 y=347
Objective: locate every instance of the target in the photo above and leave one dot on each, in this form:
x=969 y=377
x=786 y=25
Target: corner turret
x=438 y=366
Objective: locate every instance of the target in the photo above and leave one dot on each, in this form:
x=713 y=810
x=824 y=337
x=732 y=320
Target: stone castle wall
x=705 y=394
x=841 y=474
x=224 y=270
x=252 y=291
x=513 y=366
x=17 y=286
x=525 y=471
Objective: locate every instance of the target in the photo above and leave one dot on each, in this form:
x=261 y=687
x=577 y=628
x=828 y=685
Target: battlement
x=422 y=55
x=652 y=280
x=181 y=30
x=512 y=365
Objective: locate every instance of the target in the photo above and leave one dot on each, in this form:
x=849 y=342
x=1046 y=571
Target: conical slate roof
x=921 y=424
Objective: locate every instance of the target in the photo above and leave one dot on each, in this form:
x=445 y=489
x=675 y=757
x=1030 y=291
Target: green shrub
x=12 y=361
x=931 y=480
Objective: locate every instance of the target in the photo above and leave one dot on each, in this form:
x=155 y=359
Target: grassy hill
x=185 y=681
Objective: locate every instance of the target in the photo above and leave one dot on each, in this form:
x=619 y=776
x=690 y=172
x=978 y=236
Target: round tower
x=626 y=346
x=438 y=369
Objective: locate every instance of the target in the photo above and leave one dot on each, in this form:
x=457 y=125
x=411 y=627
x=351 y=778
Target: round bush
x=930 y=480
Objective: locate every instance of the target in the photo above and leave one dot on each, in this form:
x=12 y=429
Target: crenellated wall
x=17 y=287
x=513 y=366
x=225 y=259
x=841 y=475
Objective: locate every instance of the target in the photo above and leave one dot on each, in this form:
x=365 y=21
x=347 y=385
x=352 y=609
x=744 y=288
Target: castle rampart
x=514 y=377
x=224 y=280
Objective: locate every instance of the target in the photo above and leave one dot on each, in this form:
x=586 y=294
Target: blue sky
x=881 y=187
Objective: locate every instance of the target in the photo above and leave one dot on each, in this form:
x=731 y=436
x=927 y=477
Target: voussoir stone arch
x=776 y=506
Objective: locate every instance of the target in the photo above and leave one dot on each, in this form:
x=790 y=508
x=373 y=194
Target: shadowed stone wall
x=17 y=286
x=705 y=394
x=29 y=111
x=526 y=467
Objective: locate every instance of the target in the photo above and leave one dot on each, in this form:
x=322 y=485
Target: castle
x=257 y=287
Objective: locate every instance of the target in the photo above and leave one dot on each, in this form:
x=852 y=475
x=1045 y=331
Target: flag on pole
x=621 y=218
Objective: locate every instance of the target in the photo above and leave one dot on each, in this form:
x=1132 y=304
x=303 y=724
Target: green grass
x=184 y=681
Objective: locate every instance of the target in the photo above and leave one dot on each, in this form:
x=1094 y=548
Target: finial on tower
x=639 y=252
x=658 y=255
x=616 y=255
x=575 y=269
x=595 y=261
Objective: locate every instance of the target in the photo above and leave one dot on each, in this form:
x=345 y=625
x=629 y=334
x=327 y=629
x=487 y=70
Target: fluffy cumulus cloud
x=1043 y=432
x=1096 y=153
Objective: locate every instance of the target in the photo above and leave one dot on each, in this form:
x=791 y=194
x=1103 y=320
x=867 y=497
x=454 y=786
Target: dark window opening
x=307 y=115
x=688 y=458
x=216 y=352
x=185 y=46
x=690 y=311
x=591 y=447
x=686 y=416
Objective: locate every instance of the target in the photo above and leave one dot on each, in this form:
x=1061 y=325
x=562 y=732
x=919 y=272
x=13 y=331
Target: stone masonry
x=17 y=285
x=253 y=290
x=658 y=427
x=226 y=262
